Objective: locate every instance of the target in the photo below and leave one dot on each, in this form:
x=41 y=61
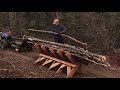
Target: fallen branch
x=9 y=63
x=3 y=69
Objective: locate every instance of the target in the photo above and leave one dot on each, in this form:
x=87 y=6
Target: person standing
x=58 y=28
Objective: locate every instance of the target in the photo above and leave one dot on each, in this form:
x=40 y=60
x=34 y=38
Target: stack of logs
x=80 y=54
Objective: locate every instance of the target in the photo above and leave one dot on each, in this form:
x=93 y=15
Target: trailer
x=19 y=44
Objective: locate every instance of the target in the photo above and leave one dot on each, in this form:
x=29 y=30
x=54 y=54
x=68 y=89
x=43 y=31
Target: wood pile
x=81 y=54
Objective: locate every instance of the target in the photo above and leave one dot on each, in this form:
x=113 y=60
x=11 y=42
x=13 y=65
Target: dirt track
x=21 y=65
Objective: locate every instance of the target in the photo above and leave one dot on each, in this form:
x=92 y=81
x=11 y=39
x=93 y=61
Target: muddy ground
x=21 y=65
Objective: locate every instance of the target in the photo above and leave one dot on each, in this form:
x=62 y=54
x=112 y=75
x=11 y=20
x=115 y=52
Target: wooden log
x=50 y=32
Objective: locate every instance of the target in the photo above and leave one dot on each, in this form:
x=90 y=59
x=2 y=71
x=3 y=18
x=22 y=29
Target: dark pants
x=58 y=39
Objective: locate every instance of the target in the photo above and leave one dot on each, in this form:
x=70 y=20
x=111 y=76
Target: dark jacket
x=58 y=29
